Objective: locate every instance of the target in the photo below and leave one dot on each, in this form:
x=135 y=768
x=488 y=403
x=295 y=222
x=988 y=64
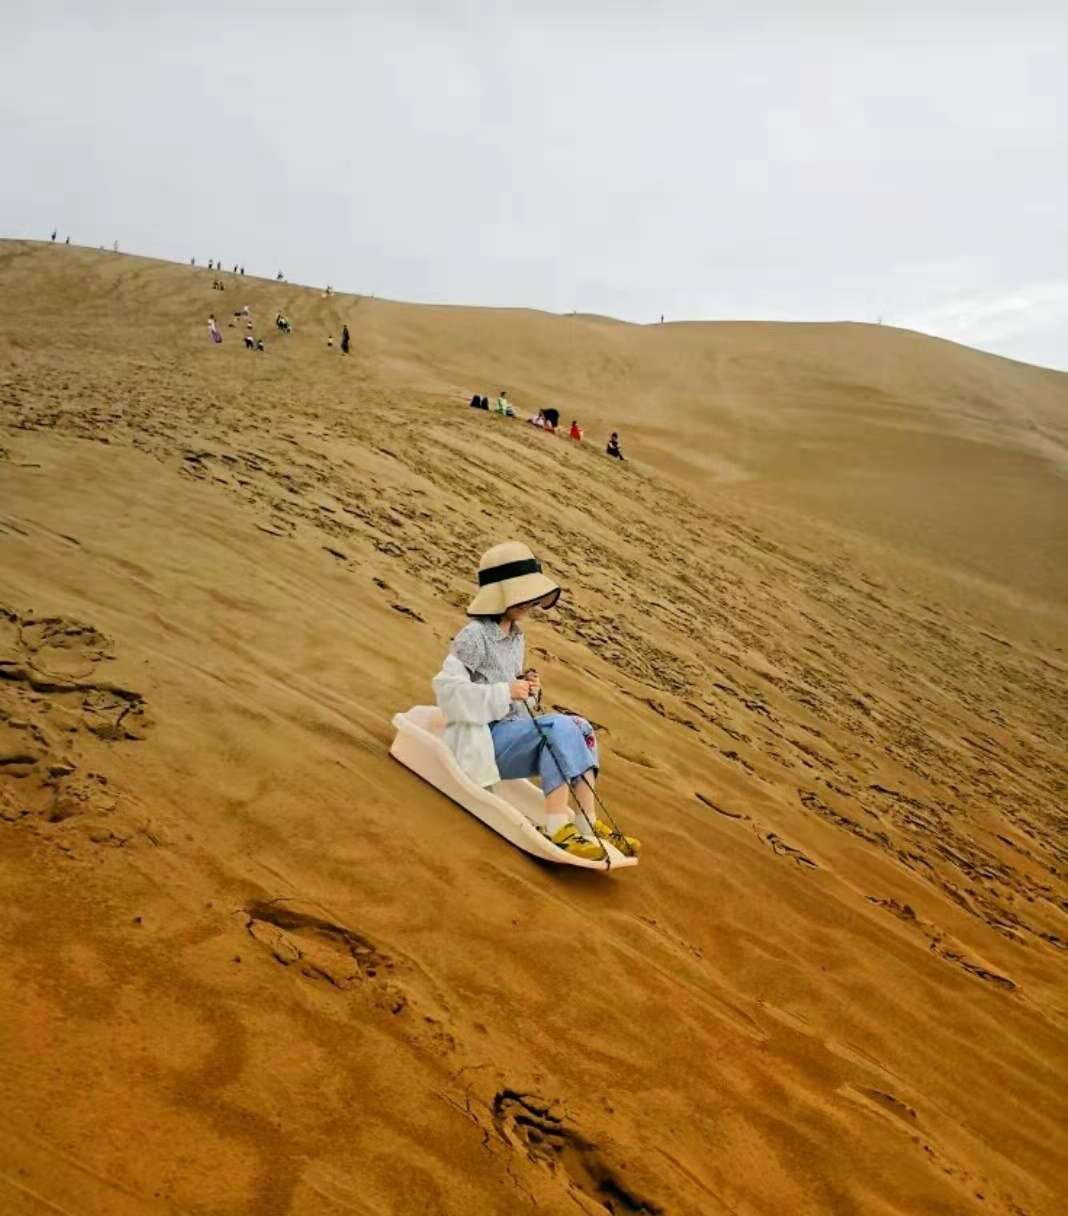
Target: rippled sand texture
x=251 y=965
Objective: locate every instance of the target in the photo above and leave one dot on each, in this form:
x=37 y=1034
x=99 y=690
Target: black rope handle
x=616 y=832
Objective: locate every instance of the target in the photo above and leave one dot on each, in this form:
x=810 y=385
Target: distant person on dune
x=330 y=341
x=612 y=448
x=575 y=432
x=54 y=231
x=489 y=700
x=211 y=264
x=213 y=329
x=250 y=342
x=344 y=339
x=242 y=270
x=67 y=241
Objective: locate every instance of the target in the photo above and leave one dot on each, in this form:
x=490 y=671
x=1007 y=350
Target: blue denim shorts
x=520 y=752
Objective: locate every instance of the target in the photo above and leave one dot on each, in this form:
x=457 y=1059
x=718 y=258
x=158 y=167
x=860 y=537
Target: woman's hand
x=534 y=680
x=519 y=690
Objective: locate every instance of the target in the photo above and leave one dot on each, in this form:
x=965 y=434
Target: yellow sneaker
x=568 y=839
x=626 y=844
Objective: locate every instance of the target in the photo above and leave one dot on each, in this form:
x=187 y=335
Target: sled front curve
x=513 y=809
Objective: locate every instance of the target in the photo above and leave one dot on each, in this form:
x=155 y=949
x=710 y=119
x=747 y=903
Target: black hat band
x=498 y=574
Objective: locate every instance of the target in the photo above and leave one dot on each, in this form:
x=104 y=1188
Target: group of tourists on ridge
x=545 y=420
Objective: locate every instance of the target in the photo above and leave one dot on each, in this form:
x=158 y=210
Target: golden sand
x=253 y=966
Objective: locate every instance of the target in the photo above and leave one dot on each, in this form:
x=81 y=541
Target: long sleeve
x=462 y=701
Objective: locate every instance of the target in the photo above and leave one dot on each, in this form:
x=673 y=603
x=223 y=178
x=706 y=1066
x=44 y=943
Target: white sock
x=553 y=823
x=583 y=824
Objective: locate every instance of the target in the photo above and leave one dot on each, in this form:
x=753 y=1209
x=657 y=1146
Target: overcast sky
x=783 y=159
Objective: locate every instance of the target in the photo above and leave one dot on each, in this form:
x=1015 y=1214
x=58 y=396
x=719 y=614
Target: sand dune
x=253 y=966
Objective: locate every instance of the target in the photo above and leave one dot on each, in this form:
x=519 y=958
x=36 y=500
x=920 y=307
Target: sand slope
x=253 y=966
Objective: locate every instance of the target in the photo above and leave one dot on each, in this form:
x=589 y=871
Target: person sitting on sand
x=504 y=406
x=345 y=339
x=486 y=697
x=250 y=342
x=613 y=446
x=552 y=418
x=259 y=344
x=537 y=419
x=478 y=403
x=330 y=341
x=575 y=432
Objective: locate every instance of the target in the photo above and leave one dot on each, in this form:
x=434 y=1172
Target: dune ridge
x=255 y=967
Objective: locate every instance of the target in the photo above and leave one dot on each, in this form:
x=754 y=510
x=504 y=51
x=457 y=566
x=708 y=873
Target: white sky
x=778 y=159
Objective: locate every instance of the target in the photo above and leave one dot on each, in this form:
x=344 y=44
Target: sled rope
x=620 y=841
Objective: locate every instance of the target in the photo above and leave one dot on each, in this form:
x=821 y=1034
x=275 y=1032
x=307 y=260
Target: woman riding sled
x=486 y=697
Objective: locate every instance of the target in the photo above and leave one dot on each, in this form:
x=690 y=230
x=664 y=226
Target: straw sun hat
x=509 y=575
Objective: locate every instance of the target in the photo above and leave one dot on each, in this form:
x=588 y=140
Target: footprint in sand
x=782 y=849
x=772 y=839
x=62 y=648
x=49 y=702
x=941 y=944
x=296 y=933
x=74 y=797
x=534 y=1126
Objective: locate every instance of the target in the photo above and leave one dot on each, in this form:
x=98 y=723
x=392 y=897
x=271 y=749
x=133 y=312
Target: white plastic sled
x=514 y=809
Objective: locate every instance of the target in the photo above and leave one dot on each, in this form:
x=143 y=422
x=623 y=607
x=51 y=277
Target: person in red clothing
x=576 y=431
